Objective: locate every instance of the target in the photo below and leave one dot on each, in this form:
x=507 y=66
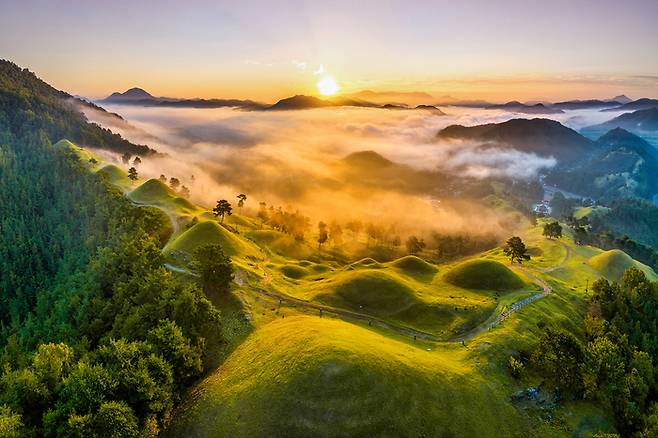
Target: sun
x=327 y=86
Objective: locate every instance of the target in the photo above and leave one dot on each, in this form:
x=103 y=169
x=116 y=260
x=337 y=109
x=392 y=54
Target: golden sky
x=266 y=50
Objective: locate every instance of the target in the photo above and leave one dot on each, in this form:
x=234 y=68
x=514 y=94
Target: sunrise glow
x=327 y=86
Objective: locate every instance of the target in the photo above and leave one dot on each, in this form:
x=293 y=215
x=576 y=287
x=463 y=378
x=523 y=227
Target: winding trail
x=493 y=321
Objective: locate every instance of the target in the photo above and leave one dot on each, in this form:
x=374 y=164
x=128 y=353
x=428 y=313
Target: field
x=323 y=342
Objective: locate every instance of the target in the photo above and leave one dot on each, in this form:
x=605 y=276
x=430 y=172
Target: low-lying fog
x=293 y=159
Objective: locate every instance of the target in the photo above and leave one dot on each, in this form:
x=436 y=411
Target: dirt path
x=565 y=259
x=344 y=314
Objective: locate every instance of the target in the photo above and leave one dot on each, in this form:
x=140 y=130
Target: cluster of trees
x=175 y=185
x=451 y=246
x=552 y=230
x=97 y=335
x=615 y=362
x=288 y=222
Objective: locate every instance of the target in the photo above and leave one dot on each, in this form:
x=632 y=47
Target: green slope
x=210 y=232
x=612 y=264
x=155 y=192
x=306 y=376
x=483 y=274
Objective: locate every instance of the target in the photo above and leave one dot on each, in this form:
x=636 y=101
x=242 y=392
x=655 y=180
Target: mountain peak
x=134 y=93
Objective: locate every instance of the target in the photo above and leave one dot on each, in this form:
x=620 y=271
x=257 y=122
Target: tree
x=163 y=179
x=93 y=160
x=335 y=233
x=223 y=208
x=132 y=174
x=515 y=249
x=414 y=244
x=552 y=230
x=214 y=267
x=355 y=228
x=241 y=200
x=560 y=356
x=126 y=158
x=263 y=214
x=322 y=233
x=174 y=183
x=184 y=192
x=11 y=424
x=137 y=161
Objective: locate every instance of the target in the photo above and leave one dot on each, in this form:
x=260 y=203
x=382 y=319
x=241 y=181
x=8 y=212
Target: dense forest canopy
x=97 y=335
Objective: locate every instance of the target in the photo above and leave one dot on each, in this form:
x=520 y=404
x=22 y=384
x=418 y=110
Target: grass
x=306 y=376
x=155 y=192
x=115 y=175
x=210 y=232
x=483 y=274
x=612 y=264
x=281 y=244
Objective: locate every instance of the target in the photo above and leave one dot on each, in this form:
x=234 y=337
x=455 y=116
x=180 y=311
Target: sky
x=266 y=50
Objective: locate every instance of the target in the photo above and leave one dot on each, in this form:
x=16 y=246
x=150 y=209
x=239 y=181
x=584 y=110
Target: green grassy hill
x=281 y=244
x=116 y=176
x=612 y=264
x=210 y=232
x=155 y=192
x=306 y=376
x=483 y=274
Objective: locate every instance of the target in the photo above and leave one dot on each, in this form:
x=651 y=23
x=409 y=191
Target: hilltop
x=639 y=122
x=518 y=107
x=541 y=136
x=639 y=104
x=621 y=165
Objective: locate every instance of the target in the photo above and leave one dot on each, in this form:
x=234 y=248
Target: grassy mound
x=282 y=244
x=612 y=264
x=372 y=291
x=209 y=232
x=293 y=271
x=153 y=191
x=157 y=193
x=114 y=175
x=414 y=265
x=483 y=274
x=305 y=376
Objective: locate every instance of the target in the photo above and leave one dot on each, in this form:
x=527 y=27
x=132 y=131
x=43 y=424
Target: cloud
x=294 y=159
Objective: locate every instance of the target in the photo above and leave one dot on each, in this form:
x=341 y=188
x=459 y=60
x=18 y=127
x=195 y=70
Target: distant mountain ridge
x=636 y=121
x=131 y=94
x=139 y=97
x=622 y=164
x=639 y=104
x=541 y=136
x=518 y=107
x=300 y=102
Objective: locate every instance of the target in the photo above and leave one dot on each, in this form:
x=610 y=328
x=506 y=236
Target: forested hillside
x=98 y=336
x=28 y=104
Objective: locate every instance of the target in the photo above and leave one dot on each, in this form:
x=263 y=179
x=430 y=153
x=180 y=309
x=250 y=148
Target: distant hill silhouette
x=637 y=121
x=518 y=107
x=588 y=104
x=300 y=102
x=132 y=94
x=640 y=104
x=541 y=136
x=622 y=164
x=139 y=97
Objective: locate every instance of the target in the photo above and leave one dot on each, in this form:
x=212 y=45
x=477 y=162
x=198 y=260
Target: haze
x=493 y=50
